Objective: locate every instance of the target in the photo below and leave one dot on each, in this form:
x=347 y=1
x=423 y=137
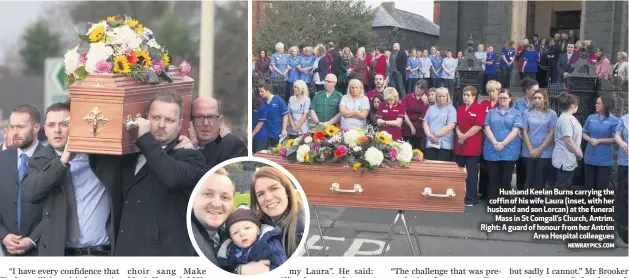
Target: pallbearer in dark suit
x=19 y=220
x=205 y=133
x=157 y=184
x=80 y=196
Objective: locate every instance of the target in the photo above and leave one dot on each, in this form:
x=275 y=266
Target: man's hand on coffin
x=192 y=135
x=143 y=126
x=67 y=156
x=184 y=143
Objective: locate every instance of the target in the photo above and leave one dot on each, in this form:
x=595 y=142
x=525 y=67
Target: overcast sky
x=421 y=7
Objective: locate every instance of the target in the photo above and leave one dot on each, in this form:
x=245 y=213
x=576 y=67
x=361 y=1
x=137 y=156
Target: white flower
x=152 y=43
x=98 y=51
x=351 y=137
x=301 y=152
x=308 y=140
x=374 y=156
x=357 y=149
x=71 y=60
x=297 y=141
x=127 y=38
x=336 y=138
x=405 y=153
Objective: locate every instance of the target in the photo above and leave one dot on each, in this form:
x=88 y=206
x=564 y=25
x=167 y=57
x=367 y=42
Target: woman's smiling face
x=271 y=196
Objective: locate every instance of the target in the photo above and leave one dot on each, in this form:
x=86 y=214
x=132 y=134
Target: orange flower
x=133 y=59
x=363 y=139
x=318 y=136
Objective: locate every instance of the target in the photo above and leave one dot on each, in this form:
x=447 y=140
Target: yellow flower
x=139 y=29
x=97 y=34
x=418 y=153
x=331 y=130
x=356 y=166
x=111 y=18
x=143 y=58
x=166 y=60
x=383 y=137
x=278 y=147
x=132 y=23
x=121 y=65
x=307 y=157
x=290 y=142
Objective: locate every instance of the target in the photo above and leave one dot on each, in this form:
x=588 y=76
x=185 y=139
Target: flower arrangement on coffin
x=121 y=45
x=360 y=149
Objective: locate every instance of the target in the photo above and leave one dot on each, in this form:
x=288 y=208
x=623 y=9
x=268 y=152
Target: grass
x=243 y=198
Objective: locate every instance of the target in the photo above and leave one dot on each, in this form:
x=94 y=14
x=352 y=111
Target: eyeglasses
x=503 y=98
x=330 y=81
x=199 y=119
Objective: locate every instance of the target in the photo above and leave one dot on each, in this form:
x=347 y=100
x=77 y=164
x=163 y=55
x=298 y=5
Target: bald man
x=397 y=69
x=7 y=143
x=205 y=133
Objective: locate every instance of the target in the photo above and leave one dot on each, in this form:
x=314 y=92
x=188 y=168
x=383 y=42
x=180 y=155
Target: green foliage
x=347 y=23
x=173 y=32
x=39 y=44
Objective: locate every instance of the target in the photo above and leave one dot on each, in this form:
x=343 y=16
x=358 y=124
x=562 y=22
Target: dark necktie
x=21 y=172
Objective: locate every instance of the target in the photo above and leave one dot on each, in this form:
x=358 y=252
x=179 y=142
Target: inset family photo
x=247 y=216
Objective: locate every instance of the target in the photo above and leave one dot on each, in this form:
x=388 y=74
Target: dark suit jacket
x=31 y=213
x=153 y=220
x=564 y=65
x=49 y=183
x=401 y=62
x=223 y=148
x=202 y=238
x=336 y=62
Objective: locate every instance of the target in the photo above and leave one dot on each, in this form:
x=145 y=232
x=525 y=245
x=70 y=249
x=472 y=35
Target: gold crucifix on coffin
x=95 y=119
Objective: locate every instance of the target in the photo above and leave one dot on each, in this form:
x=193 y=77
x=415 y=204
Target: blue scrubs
x=602 y=154
x=539 y=128
x=280 y=62
x=623 y=124
x=501 y=125
x=306 y=62
x=276 y=109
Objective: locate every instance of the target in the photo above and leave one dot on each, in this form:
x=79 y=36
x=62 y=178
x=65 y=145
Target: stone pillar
x=449 y=28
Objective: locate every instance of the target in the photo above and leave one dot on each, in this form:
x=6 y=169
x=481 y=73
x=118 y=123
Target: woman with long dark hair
x=598 y=132
x=538 y=134
x=263 y=64
x=542 y=66
x=568 y=134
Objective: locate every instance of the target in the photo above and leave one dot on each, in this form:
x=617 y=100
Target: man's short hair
x=59 y=106
x=31 y=110
x=266 y=84
x=169 y=96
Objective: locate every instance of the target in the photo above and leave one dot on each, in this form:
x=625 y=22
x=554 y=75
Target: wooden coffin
x=424 y=186
x=102 y=104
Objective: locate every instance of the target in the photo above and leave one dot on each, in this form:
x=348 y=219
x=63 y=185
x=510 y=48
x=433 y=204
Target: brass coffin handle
x=130 y=123
x=428 y=193
x=337 y=188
